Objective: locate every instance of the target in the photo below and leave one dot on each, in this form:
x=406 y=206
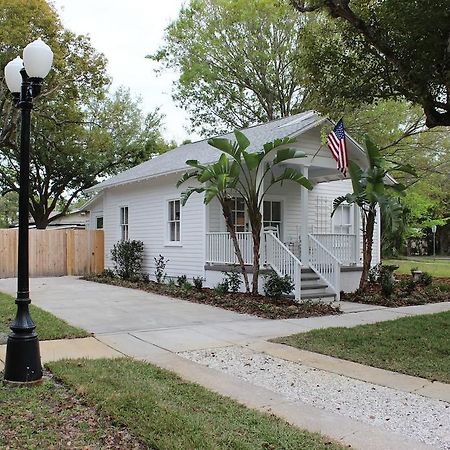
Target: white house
x=320 y=253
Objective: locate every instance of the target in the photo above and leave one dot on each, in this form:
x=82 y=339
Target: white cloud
x=127 y=31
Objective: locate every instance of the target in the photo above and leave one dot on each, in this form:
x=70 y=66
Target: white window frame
x=278 y=222
x=96 y=222
x=124 y=221
x=169 y=221
x=345 y=228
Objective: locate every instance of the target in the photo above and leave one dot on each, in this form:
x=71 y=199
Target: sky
x=126 y=31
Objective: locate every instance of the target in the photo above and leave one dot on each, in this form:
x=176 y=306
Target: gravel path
x=412 y=415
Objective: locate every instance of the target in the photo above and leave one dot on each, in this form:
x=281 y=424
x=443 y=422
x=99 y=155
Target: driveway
x=138 y=323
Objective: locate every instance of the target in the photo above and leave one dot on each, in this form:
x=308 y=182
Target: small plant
x=374 y=273
x=387 y=279
x=128 y=257
x=222 y=288
x=160 y=268
x=276 y=286
x=414 y=269
x=198 y=283
x=442 y=287
x=171 y=283
x=234 y=281
x=425 y=279
x=108 y=273
x=181 y=280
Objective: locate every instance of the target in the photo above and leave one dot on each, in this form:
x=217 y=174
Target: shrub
x=128 y=257
x=198 y=283
x=108 y=273
x=276 y=286
x=181 y=280
x=233 y=280
x=442 y=287
x=222 y=288
x=374 y=273
x=425 y=279
x=387 y=279
x=160 y=268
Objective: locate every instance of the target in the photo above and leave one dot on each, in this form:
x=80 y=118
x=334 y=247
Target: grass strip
x=47 y=325
x=166 y=412
x=418 y=346
x=50 y=416
x=436 y=268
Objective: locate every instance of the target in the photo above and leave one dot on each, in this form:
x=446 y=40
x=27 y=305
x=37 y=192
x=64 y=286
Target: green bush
x=233 y=281
x=222 y=288
x=160 y=268
x=442 y=287
x=387 y=279
x=425 y=279
x=276 y=286
x=181 y=280
x=198 y=283
x=128 y=257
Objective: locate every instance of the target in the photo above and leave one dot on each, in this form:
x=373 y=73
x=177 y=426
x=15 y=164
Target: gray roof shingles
x=175 y=160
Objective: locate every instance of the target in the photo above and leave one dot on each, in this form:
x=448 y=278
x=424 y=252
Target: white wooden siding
x=147 y=217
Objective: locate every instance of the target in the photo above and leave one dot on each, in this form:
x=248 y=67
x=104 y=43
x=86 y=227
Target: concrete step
x=329 y=296
x=313 y=284
x=309 y=276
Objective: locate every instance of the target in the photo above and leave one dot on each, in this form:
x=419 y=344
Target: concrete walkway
x=154 y=328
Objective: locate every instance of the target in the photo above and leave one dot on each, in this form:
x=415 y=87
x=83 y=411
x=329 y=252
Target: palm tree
x=247 y=174
x=221 y=178
x=371 y=190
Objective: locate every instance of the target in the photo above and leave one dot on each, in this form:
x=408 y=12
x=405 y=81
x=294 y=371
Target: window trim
x=168 y=242
x=125 y=225
x=350 y=226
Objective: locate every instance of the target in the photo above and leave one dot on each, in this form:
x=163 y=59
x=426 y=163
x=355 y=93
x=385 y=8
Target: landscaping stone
x=409 y=414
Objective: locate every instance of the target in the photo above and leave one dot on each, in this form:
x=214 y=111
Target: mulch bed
x=404 y=293
x=257 y=305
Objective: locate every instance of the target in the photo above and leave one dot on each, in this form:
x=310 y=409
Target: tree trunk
x=237 y=250
x=256 y=235
x=367 y=247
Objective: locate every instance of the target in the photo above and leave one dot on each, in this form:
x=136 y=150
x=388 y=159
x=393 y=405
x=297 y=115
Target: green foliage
x=239 y=62
x=425 y=279
x=393 y=49
x=128 y=257
x=276 y=286
x=386 y=279
x=181 y=280
x=222 y=288
x=9 y=209
x=79 y=132
x=247 y=174
x=233 y=281
x=198 y=283
x=372 y=189
x=160 y=268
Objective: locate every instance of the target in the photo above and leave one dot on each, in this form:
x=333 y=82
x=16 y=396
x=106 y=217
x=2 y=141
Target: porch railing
x=342 y=246
x=325 y=264
x=220 y=248
x=283 y=261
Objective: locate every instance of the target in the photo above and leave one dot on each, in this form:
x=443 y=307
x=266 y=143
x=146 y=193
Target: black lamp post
x=24 y=79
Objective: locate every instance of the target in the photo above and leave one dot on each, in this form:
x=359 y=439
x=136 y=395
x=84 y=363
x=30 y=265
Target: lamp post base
x=23 y=360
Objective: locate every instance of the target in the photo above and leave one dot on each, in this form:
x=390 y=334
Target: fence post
x=70 y=244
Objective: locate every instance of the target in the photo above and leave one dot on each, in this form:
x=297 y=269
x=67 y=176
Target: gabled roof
x=175 y=160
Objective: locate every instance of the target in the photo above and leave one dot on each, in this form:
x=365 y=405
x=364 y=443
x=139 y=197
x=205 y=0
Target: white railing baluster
x=342 y=246
x=325 y=264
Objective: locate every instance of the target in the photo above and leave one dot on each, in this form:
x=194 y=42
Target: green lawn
x=48 y=326
x=166 y=412
x=50 y=416
x=418 y=346
x=437 y=268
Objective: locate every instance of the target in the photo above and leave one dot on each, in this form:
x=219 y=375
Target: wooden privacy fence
x=54 y=252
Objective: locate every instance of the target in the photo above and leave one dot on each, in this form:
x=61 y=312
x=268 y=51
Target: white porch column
x=357 y=233
x=304 y=226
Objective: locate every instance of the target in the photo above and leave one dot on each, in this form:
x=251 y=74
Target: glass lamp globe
x=37 y=59
x=12 y=74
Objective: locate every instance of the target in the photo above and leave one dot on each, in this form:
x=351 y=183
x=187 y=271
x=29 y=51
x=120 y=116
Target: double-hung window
x=174 y=221
x=343 y=219
x=272 y=215
x=124 y=223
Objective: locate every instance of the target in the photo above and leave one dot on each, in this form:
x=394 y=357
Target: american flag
x=338 y=146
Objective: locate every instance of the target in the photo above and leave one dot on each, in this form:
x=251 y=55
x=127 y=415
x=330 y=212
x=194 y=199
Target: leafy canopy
x=239 y=62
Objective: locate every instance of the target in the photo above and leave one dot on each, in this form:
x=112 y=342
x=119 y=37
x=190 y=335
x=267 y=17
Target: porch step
x=313 y=284
x=318 y=296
